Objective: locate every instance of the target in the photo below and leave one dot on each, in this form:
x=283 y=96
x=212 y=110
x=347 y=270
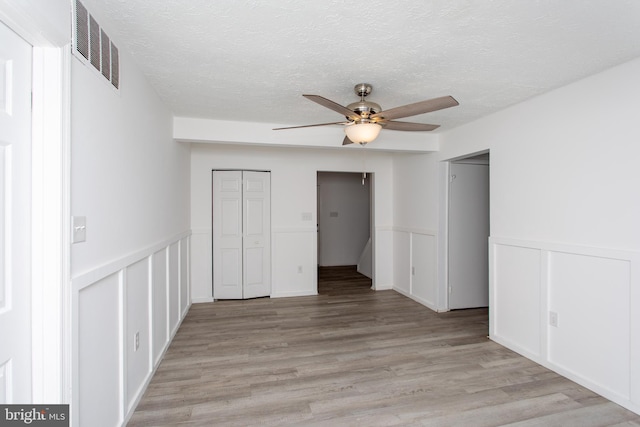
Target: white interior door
x=227 y=235
x=241 y=234
x=468 y=236
x=15 y=218
x=257 y=234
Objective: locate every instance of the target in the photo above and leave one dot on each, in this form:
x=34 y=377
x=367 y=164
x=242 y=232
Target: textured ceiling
x=252 y=60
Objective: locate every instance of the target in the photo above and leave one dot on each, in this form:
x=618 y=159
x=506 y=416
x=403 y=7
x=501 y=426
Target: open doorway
x=468 y=232
x=344 y=222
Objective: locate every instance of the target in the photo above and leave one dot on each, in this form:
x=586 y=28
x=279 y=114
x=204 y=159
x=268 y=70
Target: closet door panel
x=227 y=235
x=257 y=234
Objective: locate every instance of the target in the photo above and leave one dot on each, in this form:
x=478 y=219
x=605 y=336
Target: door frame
x=372 y=224
x=443 y=226
x=50 y=201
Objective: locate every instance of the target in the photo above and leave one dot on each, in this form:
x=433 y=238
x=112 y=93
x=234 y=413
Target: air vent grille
x=95 y=46
x=82 y=30
x=94 y=42
x=105 y=47
x=115 y=67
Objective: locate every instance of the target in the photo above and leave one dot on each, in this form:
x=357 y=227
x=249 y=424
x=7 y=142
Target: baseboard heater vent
x=94 y=45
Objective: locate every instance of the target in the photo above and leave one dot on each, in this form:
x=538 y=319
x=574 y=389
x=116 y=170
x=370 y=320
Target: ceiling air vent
x=94 y=46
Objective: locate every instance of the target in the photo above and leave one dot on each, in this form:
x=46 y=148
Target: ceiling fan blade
x=310 y=126
x=333 y=106
x=391 y=125
x=421 y=107
x=346 y=141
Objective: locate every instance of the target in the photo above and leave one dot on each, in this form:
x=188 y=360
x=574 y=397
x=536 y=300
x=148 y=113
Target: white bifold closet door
x=241 y=234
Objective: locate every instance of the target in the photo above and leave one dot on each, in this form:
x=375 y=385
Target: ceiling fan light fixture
x=362 y=133
x=365 y=119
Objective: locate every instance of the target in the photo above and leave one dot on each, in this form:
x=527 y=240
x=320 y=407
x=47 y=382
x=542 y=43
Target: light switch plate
x=553 y=319
x=78 y=229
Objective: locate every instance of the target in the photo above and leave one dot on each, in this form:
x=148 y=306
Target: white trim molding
x=573 y=309
x=50 y=338
x=415 y=266
x=125 y=315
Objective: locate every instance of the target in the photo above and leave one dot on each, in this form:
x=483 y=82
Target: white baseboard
x=201 y=300
x=424 y=302
x=294 y=294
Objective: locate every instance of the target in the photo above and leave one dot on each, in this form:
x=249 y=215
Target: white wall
x=415 y=211
x=129 y=178
x=131 y=181
x=293 y=193
x=40 y=22
x=344 y=217
x=565 y=235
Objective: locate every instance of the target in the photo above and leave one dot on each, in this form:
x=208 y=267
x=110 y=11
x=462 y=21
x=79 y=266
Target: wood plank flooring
x=355 y=357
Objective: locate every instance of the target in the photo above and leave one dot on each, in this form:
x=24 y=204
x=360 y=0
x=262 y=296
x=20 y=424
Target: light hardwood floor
x=354 y=357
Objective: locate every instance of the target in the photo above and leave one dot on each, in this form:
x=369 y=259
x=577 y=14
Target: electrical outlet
x=553 y=319
x=136 y=341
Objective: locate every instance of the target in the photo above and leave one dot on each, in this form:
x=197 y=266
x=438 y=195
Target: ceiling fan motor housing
x=362 y=107
x=365 y=108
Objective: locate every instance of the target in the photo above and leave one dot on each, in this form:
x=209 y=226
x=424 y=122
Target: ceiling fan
x=365 y=119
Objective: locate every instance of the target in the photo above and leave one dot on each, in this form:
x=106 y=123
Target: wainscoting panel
x=415 y=265
x=145 y=294
x=137 y=339
x=383 y=255
x=174 y=287
x=515 y=298
x=294 y=262
x=201 y=266
x=424 y=257
x=402 y=262
x=183 y=266
x=98 y=368
x=159 y=294
x=590 y=296
x=572 y=309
